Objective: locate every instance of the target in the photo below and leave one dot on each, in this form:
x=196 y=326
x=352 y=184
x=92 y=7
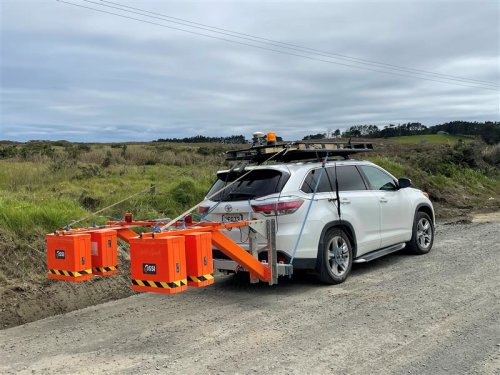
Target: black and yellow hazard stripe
x=70 y=273
x=160 y=284
x=198 y=279
x=103 y=269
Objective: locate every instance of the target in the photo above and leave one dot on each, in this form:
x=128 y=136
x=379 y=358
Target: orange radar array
x=165 y=262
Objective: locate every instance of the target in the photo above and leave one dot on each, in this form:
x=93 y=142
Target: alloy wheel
x=338 y=255
x=424 y=233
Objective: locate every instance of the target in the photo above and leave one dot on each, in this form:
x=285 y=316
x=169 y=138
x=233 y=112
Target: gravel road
x=432 y=314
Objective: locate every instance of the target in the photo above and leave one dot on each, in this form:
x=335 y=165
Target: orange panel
x=200 y=266
x=68 y=257
x=126 y=234
x=241 y=256
x=104 y=249
x=158 y=264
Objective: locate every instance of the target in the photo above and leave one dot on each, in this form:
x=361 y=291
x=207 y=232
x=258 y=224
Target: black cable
x=294 y=47
x=337 y=191
x=274 y=50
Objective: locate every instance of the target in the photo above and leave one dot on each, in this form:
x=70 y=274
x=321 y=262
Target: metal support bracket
x=258 y=226
x=254 y=250
x=272 y=255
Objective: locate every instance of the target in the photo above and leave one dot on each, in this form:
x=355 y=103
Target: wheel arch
x=423 y=207
x=347 y=228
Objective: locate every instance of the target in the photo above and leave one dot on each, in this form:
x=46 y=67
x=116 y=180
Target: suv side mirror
x=404 y=182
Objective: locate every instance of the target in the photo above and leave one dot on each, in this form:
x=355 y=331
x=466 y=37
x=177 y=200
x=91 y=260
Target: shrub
x=8 y=152
x=107 y=160
x=186 y=193
x=492 y=155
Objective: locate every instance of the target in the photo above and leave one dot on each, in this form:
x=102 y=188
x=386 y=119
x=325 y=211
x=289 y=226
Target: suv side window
x=311 y=180
x=378 y=179
x=349 y=178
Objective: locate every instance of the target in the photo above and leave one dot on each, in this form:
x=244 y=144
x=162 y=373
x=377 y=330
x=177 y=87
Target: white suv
x=379 y=214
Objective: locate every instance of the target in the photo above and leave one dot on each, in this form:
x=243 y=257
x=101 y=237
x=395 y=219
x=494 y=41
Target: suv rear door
x=359 y=207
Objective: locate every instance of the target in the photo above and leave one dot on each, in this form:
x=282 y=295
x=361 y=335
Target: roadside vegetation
x=460 y=177
x=46 y=185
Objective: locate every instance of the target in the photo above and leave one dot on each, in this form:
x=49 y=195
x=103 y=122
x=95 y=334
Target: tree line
x=489 y=131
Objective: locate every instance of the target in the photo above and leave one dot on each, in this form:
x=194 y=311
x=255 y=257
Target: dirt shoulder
x=431 y=314
x=27 y=302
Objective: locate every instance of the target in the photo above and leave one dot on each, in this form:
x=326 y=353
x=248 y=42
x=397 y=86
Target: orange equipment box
x=104 y=250
x=158 y=264
x=68 y=257
x=200 y=266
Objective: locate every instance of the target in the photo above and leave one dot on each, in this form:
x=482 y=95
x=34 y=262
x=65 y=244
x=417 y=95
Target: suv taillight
x=203 y=209
x=281 y=208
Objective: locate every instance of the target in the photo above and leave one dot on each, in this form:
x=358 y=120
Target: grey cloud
x=71 y=73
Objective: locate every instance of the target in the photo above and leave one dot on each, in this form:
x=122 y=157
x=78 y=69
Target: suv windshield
x=258 y=183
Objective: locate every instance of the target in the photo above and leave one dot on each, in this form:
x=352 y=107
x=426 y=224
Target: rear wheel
x=336 y=257
x=423 y=235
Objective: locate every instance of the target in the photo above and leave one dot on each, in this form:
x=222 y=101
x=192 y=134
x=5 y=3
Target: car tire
x=335 y=257
x=422 y=236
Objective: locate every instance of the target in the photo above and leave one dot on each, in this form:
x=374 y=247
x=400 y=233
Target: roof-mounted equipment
x=265 y=146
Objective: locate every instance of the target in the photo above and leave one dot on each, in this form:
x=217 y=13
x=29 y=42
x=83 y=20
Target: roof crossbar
x=299 y=150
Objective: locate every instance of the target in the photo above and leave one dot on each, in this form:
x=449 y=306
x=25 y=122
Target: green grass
x=391 y=165
x=431 y=139
x=41 y=199
x=44 y=186
x=24 y=218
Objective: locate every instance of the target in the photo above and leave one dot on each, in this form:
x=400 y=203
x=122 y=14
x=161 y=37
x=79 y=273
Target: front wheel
x=336 y=257
x=423 y=235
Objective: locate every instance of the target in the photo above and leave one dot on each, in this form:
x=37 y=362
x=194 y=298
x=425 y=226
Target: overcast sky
x=72 y=73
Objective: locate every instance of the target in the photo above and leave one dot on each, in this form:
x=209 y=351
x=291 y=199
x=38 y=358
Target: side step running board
x=379 y=253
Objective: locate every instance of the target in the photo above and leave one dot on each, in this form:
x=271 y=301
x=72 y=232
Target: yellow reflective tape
x=89 y=271
x=160 y=284
x=70 y=273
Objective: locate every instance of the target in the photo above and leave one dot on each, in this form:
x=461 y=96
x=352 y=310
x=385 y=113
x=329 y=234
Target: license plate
x=232 y=217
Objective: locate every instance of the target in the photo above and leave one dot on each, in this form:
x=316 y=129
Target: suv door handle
x=383 y=200
x=345 y=201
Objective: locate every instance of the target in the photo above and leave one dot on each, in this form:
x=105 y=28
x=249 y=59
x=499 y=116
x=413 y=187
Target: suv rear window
x=348 y=177
x=258 y=183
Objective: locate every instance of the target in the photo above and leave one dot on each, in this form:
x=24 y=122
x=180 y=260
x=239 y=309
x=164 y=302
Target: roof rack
x=299 y=150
